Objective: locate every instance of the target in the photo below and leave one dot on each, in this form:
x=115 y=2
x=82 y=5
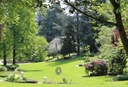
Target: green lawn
x=70 y=70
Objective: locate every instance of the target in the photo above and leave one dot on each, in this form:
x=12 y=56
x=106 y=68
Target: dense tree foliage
x=47 y=21
x=18 y=30
x=79 y=27
x=114 y=6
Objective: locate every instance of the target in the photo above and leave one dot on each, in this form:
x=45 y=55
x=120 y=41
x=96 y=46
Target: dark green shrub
x=12 y=67
x=120 y=78
x=117 y=63
x=97 y=67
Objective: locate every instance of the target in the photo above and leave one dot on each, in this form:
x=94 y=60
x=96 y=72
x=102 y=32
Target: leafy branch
x=100 y=20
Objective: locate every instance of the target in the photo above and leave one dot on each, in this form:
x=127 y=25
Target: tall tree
x=117 y=6
x=119 y=23
x=48 y=20
x=23 y=32
x=19 y=17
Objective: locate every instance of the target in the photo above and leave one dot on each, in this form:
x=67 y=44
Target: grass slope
x=70 y=70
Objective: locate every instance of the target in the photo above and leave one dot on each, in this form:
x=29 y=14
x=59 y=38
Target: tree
x=55 y=46
x=5 y=45
x=55 y=22
x=47 y=22
x=22 y=32
x=9 y=10
x=69 y=40
x=83 y=25
x=19 y=19
x=119 y=23
x=117 y=6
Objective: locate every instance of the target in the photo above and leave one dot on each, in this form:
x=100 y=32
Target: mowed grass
x=70 y=71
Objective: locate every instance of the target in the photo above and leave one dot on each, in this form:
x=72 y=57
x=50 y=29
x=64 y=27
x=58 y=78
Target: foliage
x=16 y=77
x=68 y=47
x=97 y=67
x=40 y=54
x=125 y=71
x=115 y=55
x=61 y=45
x=3 y=71
x=60 y=23
x=118 y=63
x=19 y=27
x=55 y=46
x=12 y=67
x=47 y=20
x=23 y=32
x=87 y=54
x=36 y=52
x=120 y=78
x=70 y=71
x=68 y=32
x=115 y=10
x=3 y=68
x=103 y=43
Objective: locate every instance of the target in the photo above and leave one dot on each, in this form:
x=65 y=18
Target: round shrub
x=97 y=67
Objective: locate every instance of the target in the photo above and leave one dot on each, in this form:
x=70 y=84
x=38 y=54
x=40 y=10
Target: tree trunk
x=69 y=55
x=119 y=24
x=14 y=48
x=14 y=56
x=4 y=54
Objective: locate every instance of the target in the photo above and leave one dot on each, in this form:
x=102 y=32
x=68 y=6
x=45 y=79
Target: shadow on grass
x=93 y=76
x=104 y=78
x=32 y=70
x=65 y=61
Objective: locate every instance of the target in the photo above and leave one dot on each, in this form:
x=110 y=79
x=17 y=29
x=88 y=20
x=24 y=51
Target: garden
x=74 y=75
x=63 y=43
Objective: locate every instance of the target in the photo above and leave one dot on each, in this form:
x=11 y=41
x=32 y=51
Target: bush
x=120 y=78
x=3 y=71
x=112 y=51
x=34 y=51
x=12 y=67
x=118 y=63
x=97 y=67
x=12 y=78
x=125 y=71
x=2 y=68
x=16 y=77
